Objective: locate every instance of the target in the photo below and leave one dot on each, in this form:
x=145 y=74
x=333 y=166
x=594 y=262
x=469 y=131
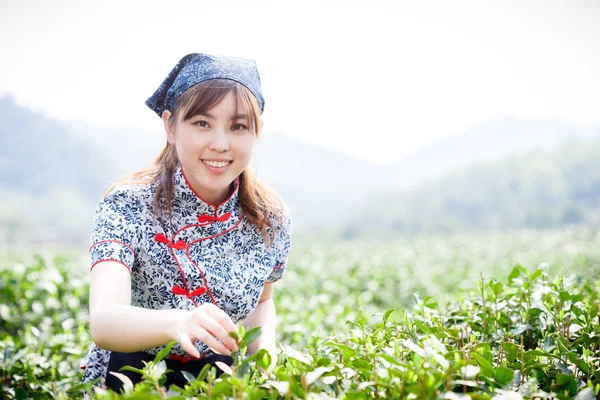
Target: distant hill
x=541 y=189
x=41 y=157
x=39 y=154
x=49 y=179
x=317 y=184
x=491 y=140
x=322 y=186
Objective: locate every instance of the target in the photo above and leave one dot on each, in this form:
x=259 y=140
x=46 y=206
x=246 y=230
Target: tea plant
x=430 y=317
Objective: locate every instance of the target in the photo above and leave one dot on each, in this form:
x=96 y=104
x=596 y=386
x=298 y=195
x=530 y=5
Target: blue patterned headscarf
x=195 y=68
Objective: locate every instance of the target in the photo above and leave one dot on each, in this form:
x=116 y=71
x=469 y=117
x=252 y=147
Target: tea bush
x=465 y=316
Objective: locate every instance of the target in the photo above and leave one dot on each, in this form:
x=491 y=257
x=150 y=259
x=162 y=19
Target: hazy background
x=382 y=119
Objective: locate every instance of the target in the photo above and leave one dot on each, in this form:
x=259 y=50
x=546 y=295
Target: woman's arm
x=264 y=316
x=116 y=325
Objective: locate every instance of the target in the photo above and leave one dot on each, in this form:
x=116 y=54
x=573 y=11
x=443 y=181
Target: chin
x=218 y=184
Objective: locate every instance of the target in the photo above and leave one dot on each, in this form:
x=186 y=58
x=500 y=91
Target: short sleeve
x=114 y=230
x=281 y=245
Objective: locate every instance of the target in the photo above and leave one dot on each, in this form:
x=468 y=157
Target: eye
x=240 y=127
x=201 y=124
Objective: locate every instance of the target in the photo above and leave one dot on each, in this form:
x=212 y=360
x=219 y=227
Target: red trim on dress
x=110 y=259
x=185 y=359
x=237 y=185
x=187 y=253
x=209 y=219
x=161 y=238
x=181 y=291
x=204 y=220
x=277 y=267
x=203 y=223
x=113 y=240
x=187 y=288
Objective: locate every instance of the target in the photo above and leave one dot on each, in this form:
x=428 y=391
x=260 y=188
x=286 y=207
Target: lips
x=217 y=167
x=217 y=163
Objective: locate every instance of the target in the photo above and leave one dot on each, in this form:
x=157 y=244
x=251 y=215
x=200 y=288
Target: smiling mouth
x=217 y=164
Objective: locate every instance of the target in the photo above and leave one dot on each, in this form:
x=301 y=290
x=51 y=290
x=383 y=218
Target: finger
x=209 y=340
x=186 y=342
x=213 y=327
x=221 y=317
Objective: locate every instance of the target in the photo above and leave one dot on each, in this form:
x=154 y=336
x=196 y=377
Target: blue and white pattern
x=195 y=68
x=212 y=251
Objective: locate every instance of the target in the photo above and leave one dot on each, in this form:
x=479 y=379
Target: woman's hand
x=206 y=323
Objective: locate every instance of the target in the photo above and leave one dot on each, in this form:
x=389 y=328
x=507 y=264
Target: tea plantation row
x=510 y=316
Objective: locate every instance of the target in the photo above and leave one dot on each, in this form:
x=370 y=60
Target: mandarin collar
x=190 y=203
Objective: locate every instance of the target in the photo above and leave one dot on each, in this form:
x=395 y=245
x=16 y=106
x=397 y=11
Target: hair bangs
x=203 y=96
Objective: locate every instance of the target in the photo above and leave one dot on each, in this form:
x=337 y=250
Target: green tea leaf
x=430 y=302
x=503 y=375
x=263 y=359
x=496 y=287
x=564 y=382
x=515 y=273
x=486 y=366
x=203 y=373
x=164 y=352
x=20 y=394
x=387 y=314
x=250 y=336
x=129 y=368
x=424 y=328
x=512 y=351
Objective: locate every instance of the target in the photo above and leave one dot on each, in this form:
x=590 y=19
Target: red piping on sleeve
x=109 y=259
x=278 y=267
x=112 y=240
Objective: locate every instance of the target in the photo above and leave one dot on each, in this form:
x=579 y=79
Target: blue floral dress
x=210 y=253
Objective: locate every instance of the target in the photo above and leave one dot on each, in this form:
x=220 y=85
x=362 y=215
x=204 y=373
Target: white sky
x=374 y=79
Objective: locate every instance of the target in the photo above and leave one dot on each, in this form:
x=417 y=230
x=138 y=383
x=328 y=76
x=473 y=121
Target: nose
x=219 y=141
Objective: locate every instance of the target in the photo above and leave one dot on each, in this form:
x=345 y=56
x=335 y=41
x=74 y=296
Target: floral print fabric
x=211 y=254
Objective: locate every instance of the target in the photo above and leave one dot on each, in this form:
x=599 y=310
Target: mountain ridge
x=321 y=186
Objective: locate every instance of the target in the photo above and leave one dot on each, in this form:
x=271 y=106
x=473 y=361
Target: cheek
x=188 y=144
x=244 y=146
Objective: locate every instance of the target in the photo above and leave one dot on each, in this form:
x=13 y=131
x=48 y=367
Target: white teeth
x=218 y=164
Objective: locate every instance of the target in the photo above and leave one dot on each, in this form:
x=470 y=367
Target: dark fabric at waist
x=118 y=360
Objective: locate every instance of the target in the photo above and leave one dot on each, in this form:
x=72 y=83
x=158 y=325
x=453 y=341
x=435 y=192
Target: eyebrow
x=235 y=117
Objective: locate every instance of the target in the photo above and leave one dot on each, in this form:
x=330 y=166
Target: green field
x=510 y=315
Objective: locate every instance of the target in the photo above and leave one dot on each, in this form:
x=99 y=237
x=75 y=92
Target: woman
x=186 y=249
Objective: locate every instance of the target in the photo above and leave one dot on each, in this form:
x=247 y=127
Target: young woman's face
x=214 y=148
